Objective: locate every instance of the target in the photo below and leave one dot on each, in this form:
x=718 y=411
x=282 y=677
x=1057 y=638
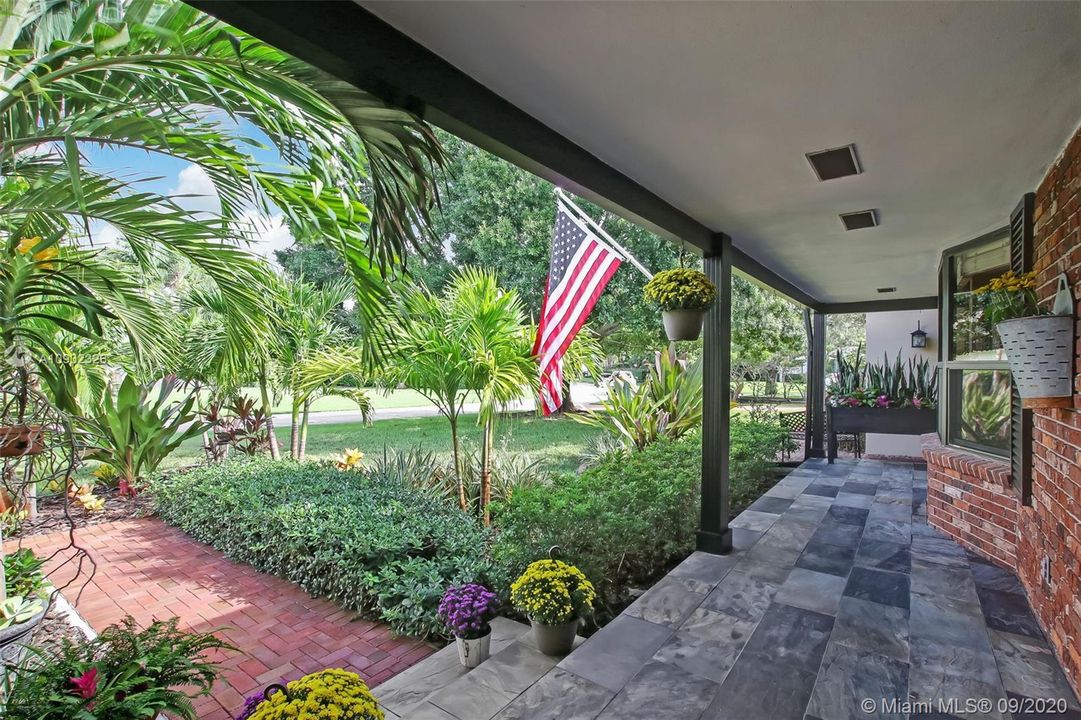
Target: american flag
x=580 y=269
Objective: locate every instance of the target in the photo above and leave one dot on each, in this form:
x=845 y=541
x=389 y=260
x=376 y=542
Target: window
x=976 y=379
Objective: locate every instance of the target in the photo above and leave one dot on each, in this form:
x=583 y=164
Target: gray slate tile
x=888 y=588
x=707 y=645
x=791 y=636
x=741 y=595
x=661 y=690
x=832 y=559
x=810 y=590
x=669 y=602
x=848 y=677
x=1029 y=668
x=872 y=628
x=616 y=652
x=741 y=696
x=559 y=695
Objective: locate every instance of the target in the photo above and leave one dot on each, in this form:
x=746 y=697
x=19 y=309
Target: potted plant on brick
x=1039 y=343
x=684 y=296
x=556 y=597
x=467 y=610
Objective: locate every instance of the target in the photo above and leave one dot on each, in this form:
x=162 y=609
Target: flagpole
x=570 y=206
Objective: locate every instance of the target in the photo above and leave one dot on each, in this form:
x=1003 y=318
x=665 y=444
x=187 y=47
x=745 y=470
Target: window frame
x=946 y=352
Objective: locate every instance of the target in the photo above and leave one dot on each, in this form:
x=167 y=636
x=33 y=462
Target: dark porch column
x=816 y=392
x=714 y=536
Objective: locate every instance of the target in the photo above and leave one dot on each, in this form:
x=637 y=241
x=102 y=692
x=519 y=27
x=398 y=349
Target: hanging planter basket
x=684 y=295
x=683 y=324
x=1040 y=351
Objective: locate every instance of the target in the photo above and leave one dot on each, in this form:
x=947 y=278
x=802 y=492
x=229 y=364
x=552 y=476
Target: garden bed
x=55 y=514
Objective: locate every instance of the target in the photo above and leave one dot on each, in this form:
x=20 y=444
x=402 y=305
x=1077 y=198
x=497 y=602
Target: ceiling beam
x=871 y=306
x=355 y=45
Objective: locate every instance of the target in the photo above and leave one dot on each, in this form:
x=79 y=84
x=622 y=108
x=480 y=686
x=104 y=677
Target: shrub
x=628 y=517
x=619 y=521
x=753 y=452
x=362 y=539
x=123 y=674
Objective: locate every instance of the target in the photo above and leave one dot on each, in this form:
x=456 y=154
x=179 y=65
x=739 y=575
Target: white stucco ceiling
x=956 y=110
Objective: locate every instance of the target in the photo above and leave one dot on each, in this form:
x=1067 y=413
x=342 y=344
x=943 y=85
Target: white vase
x=1040 y=351
x=472 y=652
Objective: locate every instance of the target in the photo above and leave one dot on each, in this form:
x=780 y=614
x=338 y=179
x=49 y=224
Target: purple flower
x=853 y=402
x=467 y=609
x=250 y=703
x=917 y=401
x=882 y=401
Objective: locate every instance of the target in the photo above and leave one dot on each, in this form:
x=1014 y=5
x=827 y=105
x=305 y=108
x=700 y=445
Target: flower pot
x=473 y=651
x=555 y=640
x=15 y=635
x=1040 y=352
x=18 y=440
x=682 y=324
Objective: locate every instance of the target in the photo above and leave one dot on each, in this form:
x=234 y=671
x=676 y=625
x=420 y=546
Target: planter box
x=891 y=421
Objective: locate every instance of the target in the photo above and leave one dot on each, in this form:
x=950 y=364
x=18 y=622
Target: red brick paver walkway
x=150 y=570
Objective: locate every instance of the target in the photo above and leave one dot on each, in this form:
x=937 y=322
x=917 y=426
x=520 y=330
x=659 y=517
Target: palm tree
x=469 y=340
x=501 y=348
x=160 y=76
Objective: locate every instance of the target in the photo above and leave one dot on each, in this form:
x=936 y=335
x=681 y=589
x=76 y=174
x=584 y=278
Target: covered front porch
x=838 y=601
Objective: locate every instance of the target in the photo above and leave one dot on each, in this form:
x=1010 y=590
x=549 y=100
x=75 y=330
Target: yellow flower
x=43 y=256
x=334 y=693
x=27 y=244
x=349 y=459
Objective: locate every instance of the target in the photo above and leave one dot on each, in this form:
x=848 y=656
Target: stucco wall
x=888 y=332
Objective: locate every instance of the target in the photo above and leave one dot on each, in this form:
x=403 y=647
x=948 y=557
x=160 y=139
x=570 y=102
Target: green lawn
x=559 y=442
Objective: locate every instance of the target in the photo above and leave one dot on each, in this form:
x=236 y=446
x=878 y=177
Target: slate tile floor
x=839 y=592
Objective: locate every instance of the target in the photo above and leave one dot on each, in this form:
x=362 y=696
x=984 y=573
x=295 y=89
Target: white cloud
x=195 y=191
x=102 y=235
x=268 y=233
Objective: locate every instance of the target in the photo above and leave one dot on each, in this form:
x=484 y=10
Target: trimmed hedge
x=631 y=516
x=619 y=521
x=366 y=541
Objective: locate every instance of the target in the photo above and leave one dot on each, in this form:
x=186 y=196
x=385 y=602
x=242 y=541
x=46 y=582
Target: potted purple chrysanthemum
x=467 y=610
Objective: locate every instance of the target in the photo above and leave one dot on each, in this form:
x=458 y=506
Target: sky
x=170 y=176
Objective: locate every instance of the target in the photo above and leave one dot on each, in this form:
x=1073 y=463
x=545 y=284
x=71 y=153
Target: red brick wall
x=1051 y=527
x=969 y=498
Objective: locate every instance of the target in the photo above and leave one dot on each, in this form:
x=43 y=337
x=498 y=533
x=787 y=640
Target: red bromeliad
x=86 y=685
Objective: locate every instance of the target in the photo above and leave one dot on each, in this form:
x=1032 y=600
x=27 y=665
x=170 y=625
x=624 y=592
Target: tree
x=160 y=76
x=306 y=325
x=471 y=339
x=498 y=216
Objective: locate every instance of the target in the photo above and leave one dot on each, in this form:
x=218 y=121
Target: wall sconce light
x=919 y=337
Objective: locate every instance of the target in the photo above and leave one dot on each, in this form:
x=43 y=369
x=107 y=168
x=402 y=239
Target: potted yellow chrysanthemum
x=1039 y=343
x=555 y=596
x=332 y=693
x=684 y=296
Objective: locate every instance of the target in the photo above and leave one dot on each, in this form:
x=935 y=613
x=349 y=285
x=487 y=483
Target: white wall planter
x=1040 y=351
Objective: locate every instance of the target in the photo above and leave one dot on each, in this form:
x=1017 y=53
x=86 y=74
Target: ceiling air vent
x=859 y=220
x=835 y=163
x=887 y=290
